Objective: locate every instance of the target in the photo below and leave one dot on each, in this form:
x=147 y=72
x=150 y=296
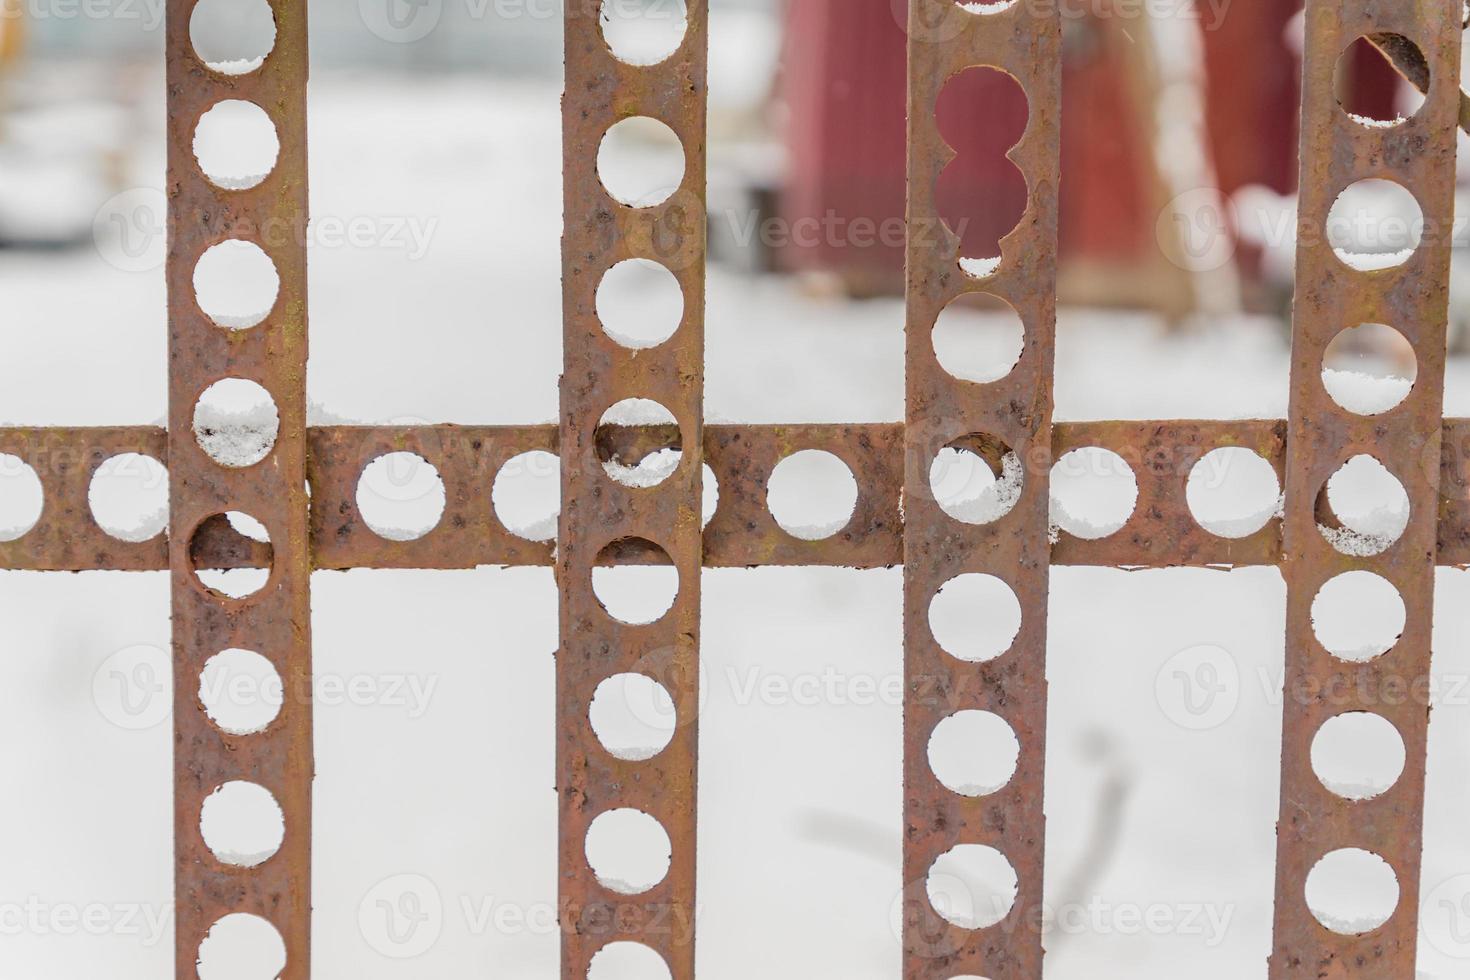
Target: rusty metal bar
x=275 y=621
x=1332 y=296
x=1012 y=415
x=1162 y=533
x=598 y=511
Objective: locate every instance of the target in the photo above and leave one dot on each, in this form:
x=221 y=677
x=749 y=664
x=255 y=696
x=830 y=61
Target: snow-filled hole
x=628 y=850
x=1358 y=755
x=236 y=144
x=977 y=479
x=1093 y=493
x=1369 y=369
x=640 y=162
x=639 y=592
x=242 y=823
x=1363 y=509
x=633 y=716
x=975 y=617
x=1352 y=891
x=1377 y=107
x=400 y=496
x=644 y=32
x=236 y=422
x=526 y=495
x=972 y=886
x=241 y=946
x=128 y=497
x=1233 y=492
x=638 y=443
x=974 y=753
x=1358 y=615
x=1375 y=224
x=231 y=538
x=232 y=37
x=240 y=691
x=628 y=961
x=236 y=284
x=639 y=303
x=978 y=337
x=812 y=494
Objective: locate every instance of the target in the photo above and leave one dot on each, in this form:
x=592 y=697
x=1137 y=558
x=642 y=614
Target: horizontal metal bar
x=742 y=533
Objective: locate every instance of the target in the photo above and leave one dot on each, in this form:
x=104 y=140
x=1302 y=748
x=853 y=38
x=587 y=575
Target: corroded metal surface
x=1015 y=412
x=598 y=511
x=1161 y=533
x=1330 y=297
x=275 y=621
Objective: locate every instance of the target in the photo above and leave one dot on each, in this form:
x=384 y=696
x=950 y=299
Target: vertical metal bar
x=1331 y=296
x=275 y=621
x=597 y=511
x=1023 y=40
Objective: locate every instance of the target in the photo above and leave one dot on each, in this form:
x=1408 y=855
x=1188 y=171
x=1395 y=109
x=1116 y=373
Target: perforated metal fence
x=301 y=489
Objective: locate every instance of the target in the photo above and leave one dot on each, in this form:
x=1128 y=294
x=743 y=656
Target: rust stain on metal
x=598 y=511
x=1330 y=297
x=1023 y=40
x=275 y=621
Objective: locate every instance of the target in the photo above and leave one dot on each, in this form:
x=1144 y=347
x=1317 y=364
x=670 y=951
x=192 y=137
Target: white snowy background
x=437 y=779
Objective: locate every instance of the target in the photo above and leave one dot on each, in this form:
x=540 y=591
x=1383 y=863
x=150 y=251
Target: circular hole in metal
x=635 y=581
x=400 y=496
x=974 y=753
x=628 y=850
x=1363 y=510
x=975 y=617
x=1352 y=891
x=976 y=479
x=1375 y=224
x=232 y=37
x=978 y=337
x=633 y=716
x=236 y=284
x=242 y=947
x=1233 y=492
x=1368 y=86
x=236 y=422
x=1093 y=493
x=972 y=886
x=1358 y=755
x=242 y=823
x=640 y=162
x=240 y=691
x=22 y=498
x=639 y=303
x=644 y=32
x=236 y=145
x=638 y=443
x=709 y=496
x=1369 y=369
x=526 y=495
x=229 y=558
x=812 y=494
x=1358 y=616
x=627 y=961
x=128 y=497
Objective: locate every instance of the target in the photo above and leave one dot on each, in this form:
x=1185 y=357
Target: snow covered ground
x=435 y=771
